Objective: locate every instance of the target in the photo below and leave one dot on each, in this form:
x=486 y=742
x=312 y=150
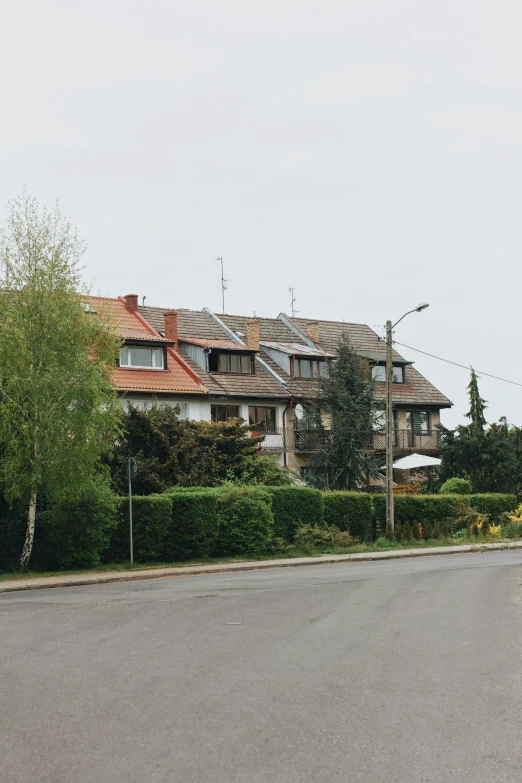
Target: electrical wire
x=456 y=364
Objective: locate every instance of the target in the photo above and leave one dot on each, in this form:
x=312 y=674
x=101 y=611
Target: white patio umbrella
x=415 y=461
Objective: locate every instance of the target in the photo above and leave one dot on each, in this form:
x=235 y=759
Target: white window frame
x=156 y=352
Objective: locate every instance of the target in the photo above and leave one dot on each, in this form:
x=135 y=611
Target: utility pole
x=223 y=286
x=390 y=518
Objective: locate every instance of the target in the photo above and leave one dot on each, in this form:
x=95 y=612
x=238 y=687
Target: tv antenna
x=292 y=301
x=223 y=286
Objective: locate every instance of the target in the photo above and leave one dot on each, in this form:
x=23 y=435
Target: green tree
x=477 y=406
x=346 y=399
x=170 y=452
x=56 y=358
x=490 y=458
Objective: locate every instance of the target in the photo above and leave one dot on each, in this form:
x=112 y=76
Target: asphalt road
x=405 y=671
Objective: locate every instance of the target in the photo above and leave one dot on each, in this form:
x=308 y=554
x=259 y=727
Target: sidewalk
x=103 y=577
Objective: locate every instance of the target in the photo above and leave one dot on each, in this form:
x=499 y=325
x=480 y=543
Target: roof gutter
x=233 y=336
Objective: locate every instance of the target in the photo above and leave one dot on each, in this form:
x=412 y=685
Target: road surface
x=401 y=672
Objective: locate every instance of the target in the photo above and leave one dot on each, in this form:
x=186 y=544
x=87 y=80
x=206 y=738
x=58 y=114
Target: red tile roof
x=177 y=378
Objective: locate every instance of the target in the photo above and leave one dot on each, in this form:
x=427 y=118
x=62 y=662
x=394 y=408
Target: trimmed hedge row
x=151 y=519
x=494 y=504
x=420 y=508
x=352 y=511
x=295 y=507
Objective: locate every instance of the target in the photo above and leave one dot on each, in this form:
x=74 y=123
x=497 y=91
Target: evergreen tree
x=477 y=405
x=346 y=400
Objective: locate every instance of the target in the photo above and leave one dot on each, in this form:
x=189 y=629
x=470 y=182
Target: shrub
x=407 y=532
x=152 y=516
x=193 y=530
x=494 y=531
x=494 y=504
x=295 y=507
x=245 y=520
x=456 y=486
x=76 y=532
x=351 y=511
x=427 y=508
x=511 y=523
x=310 y=538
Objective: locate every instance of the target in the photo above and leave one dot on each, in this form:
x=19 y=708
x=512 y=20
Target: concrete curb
x=96 y=578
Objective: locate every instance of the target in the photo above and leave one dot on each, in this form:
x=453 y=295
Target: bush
x=310 y=538
x=494 y=504
x=295 y=507
x=456 y=486
x=351 y=511
x=76 y=532
x=151 y=519
x=426 y=508
x=245 y=520
x=193 y=530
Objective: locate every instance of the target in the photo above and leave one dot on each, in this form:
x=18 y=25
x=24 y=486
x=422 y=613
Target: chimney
x=131 y=302
x=253 y=335
x=171 y=327
x=312 y=331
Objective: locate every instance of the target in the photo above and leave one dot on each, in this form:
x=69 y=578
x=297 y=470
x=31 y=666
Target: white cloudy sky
x=366 y=152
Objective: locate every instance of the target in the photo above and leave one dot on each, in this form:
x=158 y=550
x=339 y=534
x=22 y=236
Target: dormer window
x=233 y=363
x=379 y=373
x=310 y=368
x=142 y=357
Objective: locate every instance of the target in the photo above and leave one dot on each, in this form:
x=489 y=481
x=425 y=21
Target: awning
x=415 y=461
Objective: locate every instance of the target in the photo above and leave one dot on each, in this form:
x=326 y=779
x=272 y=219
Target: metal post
x=390 y=519
x=130 y=510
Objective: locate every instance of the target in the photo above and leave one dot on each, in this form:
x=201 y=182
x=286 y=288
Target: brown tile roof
x=270 y=329
x=177 y=378
x=259 y=385
x=197 y=327
x=416 y=390
x=227 y=345
x=194 y=324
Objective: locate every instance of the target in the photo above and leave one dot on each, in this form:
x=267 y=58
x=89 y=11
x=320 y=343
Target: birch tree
x=56 y=399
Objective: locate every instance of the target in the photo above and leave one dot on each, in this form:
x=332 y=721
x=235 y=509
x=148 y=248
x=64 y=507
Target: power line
x=456 y=364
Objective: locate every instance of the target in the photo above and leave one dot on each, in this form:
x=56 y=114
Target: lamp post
x=390 y=518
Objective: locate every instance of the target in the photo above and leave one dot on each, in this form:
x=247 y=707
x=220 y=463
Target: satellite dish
x=299 y=411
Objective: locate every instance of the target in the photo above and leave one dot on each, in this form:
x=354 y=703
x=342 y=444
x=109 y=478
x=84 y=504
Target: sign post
x=131 y=473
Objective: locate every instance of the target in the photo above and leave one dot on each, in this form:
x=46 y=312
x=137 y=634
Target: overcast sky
x=366 y=152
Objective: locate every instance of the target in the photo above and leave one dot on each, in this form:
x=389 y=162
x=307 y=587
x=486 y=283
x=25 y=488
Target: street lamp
x=390 y=519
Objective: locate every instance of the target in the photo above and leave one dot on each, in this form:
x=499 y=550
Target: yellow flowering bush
x=516 y=516
x=494 y=531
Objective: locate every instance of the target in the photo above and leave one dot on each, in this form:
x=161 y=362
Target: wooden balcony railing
x=307 y=441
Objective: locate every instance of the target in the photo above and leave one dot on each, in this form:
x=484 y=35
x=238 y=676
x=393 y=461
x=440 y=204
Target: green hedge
x=351 y=511
x=75 y=533
x=193 y=530
x=151 y=519
x=420 y=508
x=12 y=534
x=494 y=504
x=245 y=521
x=456 y=486
x=295 y=507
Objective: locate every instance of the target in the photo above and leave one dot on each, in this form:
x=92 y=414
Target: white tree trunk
x=29 y=533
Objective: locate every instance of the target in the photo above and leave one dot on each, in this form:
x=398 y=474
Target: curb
x=42 y=583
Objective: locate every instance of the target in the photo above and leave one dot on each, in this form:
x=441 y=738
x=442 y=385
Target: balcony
x=308 y=441
x=406 y=440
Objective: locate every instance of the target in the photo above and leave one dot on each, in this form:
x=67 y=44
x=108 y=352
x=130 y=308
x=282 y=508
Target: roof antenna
x=143 y=301
x=223 y=286
x=292 y=301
